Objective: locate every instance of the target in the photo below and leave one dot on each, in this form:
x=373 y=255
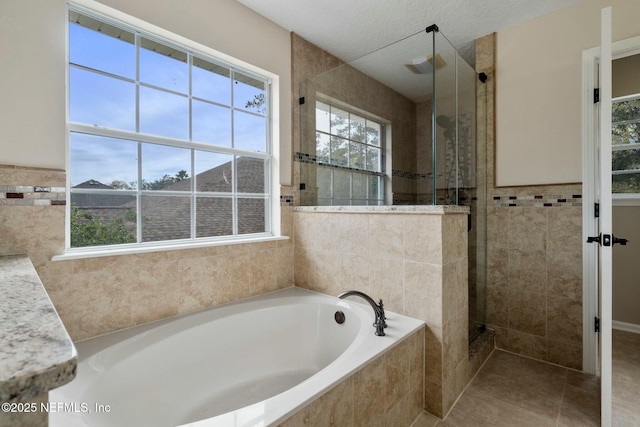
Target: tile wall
x=98 y=295
x=534 y=252
x=417 y=263
x=386 y=392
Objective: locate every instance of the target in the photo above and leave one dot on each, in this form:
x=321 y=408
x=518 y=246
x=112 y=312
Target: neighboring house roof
x=98 y=199
x=169 y=217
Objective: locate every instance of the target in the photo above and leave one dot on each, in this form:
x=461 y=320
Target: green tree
x=87 y=230
x=626 y=131
x=257 y=103
x=166 y=180
x=121 y=185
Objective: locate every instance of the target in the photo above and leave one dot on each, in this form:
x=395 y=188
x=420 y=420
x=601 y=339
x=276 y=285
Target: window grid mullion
x=140 y=139
x=234 y=192
x=194 y=202
x=139 y=215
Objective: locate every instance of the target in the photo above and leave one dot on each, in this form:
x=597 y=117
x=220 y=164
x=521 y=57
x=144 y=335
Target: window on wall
x=626 y=145
x=349 y=151
x=166 y=144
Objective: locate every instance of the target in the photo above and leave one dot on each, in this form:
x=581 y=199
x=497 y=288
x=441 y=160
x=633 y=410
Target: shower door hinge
x=596 y=324
x=596 y=210
x=596 y=95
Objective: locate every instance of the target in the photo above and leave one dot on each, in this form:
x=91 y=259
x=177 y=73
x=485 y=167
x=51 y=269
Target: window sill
x=626 y=200
x=105 y=252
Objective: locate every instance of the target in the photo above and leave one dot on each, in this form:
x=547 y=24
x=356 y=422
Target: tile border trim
x=537 y=201
x=32 y=195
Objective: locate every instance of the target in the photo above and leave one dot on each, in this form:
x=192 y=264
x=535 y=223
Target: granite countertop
x=401 y=209
x=36 y=352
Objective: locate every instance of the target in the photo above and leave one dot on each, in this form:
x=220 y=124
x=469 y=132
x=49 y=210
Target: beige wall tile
x=528 y=228
x=564 y=271
x=398 y=371
x=370 y=387
x=497 y=266
x=498 y=227
x=454 y=237
x=527 y=270
x=526 y=344
x=565 y=354
x=423 y=239
x=564 y=320
x=497 y=305
x=386 y=281
x=423 y=292
x=386 y=236
x=565 y=229
x=528 y=312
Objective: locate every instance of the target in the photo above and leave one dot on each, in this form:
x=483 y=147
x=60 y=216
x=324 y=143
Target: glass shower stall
x=398 y=126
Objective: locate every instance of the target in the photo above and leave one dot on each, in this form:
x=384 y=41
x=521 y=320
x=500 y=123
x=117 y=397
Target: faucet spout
x=378 y=310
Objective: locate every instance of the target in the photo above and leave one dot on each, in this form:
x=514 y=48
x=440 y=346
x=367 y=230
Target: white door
x=605 y=238
x=597 y=207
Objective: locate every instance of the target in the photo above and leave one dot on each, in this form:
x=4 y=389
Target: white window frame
x=384 y=133
x=272 y=215
x=625 y=199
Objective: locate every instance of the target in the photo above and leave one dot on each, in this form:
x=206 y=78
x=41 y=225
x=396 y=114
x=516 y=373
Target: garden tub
x=253 y=362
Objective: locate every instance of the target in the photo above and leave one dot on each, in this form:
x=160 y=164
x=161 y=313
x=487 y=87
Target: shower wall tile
x=526 y=344
x=527 y=270
x=565 y=319
x=564 y=271
x=524 y=229
x=497 y=266
x=569 y=355
x=536 y=280
x=527 y=312
x=497 y=305
x=564 y=231
x=534 y=250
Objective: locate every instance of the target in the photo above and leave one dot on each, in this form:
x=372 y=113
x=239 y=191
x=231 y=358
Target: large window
x=625 y=143
x=349 y=148
x=165 y=143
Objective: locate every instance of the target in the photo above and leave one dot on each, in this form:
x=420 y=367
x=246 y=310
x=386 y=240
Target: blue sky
x=104 y=100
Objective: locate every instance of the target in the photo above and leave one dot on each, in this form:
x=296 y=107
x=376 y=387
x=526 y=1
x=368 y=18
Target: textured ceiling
x=350 y=29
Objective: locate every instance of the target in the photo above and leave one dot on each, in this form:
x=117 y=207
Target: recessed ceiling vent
x=424 y=65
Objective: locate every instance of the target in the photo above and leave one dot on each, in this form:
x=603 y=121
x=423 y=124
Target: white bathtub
x=252 y=363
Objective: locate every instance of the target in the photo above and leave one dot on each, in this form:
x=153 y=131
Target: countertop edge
x=394 y=209
x=38 y=354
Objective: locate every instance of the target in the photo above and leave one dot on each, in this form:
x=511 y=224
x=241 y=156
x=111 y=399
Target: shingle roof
x=169 y=217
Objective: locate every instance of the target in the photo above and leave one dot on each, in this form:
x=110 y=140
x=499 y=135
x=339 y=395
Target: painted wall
x=538 y=91
x=32 y=107
x=626 y=271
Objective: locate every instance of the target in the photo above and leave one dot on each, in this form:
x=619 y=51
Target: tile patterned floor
x=511 y=390
x=626 y=379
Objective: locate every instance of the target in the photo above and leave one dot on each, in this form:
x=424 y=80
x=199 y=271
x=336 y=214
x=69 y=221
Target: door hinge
x=596 y=210
x=596 y=95
x=596 y=324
